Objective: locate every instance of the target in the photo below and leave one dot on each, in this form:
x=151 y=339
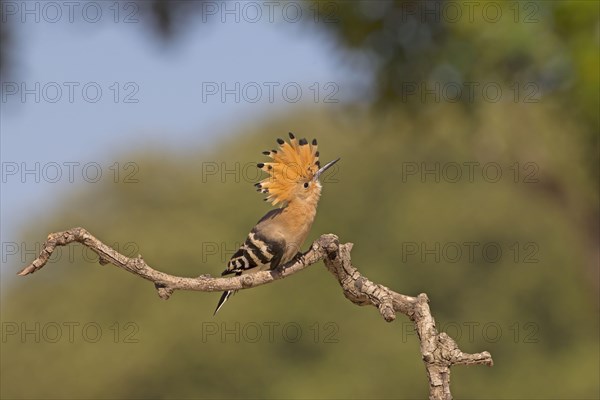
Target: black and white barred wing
x=256 y=254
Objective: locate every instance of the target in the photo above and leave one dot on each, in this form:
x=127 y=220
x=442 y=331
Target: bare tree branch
x=438 y=350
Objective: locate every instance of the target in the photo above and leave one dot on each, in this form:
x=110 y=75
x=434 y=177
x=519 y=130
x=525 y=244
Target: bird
x=293 y=184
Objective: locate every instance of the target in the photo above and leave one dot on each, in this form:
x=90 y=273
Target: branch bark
x=439 y=351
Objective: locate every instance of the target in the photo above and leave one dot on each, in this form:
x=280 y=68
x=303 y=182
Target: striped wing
x=256 y=254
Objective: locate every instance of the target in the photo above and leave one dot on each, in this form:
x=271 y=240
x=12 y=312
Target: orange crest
x=295 y=162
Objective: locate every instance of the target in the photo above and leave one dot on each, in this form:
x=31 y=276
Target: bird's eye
x=305 y=185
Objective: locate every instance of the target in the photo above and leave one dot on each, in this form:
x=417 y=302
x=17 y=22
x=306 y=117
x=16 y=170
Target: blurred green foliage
x=546 y=309
x=547 y=48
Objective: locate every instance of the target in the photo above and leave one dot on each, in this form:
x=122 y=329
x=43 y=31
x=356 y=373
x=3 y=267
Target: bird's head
x=293 y=173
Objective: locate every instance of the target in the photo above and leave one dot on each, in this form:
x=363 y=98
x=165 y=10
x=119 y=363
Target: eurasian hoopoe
x=294 y=183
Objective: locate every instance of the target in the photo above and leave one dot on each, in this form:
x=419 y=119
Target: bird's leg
x=297 y=258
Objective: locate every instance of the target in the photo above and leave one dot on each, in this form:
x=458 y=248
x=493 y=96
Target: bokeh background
x=468 y=133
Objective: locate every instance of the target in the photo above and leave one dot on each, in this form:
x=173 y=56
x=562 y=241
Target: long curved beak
x=325 y=168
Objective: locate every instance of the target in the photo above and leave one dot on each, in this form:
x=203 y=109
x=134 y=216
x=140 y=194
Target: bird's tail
x=223 y=299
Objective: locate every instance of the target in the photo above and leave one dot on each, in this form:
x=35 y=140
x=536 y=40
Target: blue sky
x=105 y=85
